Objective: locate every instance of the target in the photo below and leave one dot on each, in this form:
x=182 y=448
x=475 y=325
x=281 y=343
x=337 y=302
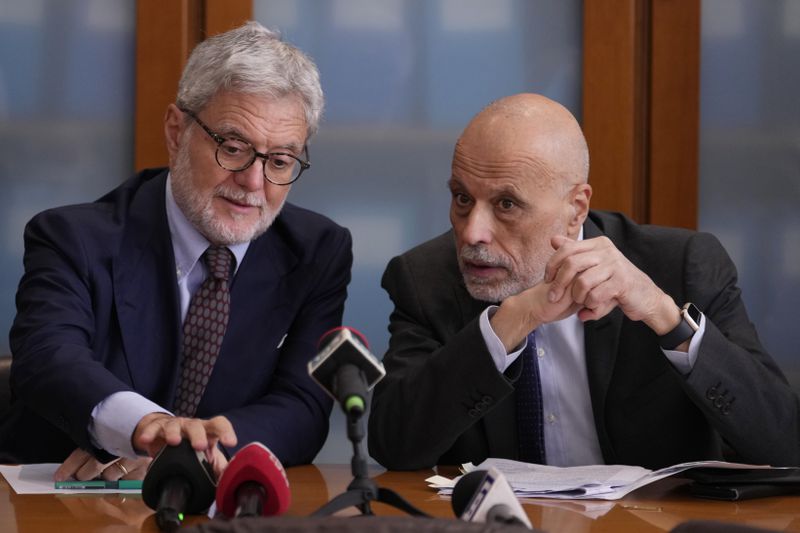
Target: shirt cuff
x=115 y=418
x=684 y=361
x=501 y=359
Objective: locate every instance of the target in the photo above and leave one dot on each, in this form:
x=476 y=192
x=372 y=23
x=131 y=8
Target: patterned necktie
x=203 y=330
x=530 y=429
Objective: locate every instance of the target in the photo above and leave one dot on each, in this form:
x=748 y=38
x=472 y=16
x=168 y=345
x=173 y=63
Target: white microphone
x=486 y=496
x=345 y=368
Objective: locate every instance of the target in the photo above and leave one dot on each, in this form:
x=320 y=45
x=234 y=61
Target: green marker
x=100 y=484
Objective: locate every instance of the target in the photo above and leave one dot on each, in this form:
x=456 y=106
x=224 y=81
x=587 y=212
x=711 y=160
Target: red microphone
x=253 y=484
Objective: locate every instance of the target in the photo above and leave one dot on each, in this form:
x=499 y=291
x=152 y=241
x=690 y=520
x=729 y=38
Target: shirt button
x=540 y=352
x=551 y=418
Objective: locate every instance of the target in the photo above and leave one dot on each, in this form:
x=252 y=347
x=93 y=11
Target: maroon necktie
x=203 y=330
x=530 y=427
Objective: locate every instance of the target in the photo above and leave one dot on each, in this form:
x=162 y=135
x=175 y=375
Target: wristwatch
x=690 y=322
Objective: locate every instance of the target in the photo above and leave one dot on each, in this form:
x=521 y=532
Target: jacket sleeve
x=440 y=378
x=735 y=383
x=55 y=371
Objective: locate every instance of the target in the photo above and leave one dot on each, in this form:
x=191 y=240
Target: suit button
x=473 y=413
x=726 y=409
x=713 y=392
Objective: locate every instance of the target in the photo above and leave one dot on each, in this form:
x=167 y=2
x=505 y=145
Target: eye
x=506 y=204
x=280 y=161
x=461 y=199
x=233 y=148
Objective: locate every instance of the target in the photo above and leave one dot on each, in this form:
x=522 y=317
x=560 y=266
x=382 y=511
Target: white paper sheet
x=602 y=482
x=38 y=479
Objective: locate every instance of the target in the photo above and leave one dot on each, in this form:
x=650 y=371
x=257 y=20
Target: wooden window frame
x=641 y=83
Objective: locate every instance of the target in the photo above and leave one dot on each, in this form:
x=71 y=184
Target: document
x=38 y=479
x=602 y=482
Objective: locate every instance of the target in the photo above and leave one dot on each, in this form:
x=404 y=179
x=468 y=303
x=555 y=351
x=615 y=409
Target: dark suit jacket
x=98 y=312
x=443 y=400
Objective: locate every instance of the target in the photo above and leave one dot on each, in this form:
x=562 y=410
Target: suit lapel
x=601 y=342
x=145 y=293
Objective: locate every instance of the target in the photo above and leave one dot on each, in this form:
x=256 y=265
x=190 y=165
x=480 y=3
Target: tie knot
x=218 y=259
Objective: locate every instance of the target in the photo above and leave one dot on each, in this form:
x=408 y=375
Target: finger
x=221 y=428
x=91 y=469
x=71 y=465
x=569 y=269
x=172 y=430
x=591 y=285
x=137 y=468
x=114 y=471
x=218 y=462
x=195 y=431
x=597 y=313
x=558 y=243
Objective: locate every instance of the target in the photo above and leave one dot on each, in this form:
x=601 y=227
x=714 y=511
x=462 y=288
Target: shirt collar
x=188 y=244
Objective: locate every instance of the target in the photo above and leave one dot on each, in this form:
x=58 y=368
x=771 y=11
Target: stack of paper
x=604 y=482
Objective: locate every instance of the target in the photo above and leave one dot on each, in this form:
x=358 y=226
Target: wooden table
x=655 y=508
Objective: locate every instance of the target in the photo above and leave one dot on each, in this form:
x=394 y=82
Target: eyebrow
x=231 y=132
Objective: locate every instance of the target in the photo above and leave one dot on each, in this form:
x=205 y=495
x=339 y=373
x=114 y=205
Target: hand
x=156 y=430
x=81 y=465
x=597 y=276
x=520 y=314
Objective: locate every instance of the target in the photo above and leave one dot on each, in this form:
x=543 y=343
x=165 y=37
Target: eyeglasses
x=236 y=155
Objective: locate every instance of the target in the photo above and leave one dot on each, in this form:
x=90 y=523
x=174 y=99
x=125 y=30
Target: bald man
x=538 y=329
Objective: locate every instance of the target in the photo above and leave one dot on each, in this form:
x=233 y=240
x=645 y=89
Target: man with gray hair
x=187 y=302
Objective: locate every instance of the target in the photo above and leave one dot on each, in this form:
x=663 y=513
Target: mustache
x=481 y=254
x=239 y=196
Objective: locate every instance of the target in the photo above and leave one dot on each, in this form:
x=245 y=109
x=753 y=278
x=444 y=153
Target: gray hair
x=253 y=60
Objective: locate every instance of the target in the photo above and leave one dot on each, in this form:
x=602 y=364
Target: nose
x=251 y=178
x=478 y=226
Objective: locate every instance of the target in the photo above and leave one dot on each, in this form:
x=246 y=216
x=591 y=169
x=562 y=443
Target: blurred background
x=402 y=78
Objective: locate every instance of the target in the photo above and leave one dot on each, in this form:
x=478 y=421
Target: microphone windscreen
x=465 y=489
x=185 y=463
x=256 y=463
x=331 y=334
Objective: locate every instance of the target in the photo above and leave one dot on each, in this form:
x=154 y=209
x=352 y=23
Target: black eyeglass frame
x=220 y=140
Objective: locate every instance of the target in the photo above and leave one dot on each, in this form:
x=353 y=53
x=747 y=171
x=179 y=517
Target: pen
x=122 y=484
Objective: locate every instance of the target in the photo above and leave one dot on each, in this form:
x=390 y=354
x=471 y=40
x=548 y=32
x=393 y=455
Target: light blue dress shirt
x=114 y=419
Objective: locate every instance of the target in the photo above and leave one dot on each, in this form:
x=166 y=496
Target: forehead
x=255 y=117
x=484 y=166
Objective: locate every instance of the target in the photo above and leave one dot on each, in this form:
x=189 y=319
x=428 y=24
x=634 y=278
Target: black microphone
x=486 y=496
x=253 y=484
x=345 y=368
x=179 y=481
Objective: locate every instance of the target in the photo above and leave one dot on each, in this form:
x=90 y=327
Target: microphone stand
x=363 y=490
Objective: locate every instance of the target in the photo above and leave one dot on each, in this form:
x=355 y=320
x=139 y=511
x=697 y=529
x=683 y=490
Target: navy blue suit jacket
x=98 y=312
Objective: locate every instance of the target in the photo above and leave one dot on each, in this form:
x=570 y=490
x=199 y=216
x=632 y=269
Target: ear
x=579 y=198
x=174 y=128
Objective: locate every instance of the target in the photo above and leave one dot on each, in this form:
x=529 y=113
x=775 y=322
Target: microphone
x=486 y=496
x=345 y=368
x=253 y=484
x=179 y=481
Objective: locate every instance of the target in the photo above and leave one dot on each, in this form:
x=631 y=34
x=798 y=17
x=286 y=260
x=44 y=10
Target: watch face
x=692 y=315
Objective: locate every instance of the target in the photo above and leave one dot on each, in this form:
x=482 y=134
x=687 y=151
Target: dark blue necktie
x=530 y=430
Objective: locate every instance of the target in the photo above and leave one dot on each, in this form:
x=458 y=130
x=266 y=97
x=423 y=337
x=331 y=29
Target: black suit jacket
x=98 y=312
x=444 y=402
